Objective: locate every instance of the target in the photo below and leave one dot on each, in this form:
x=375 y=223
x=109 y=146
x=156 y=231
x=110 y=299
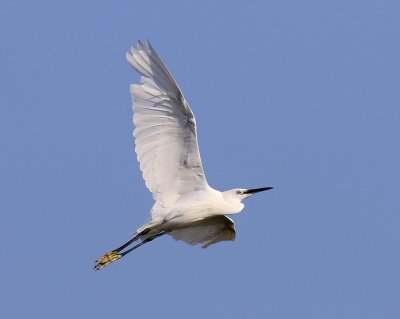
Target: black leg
x=127 y=243
x=142 y=243
x=144 y=232
x=115 y=255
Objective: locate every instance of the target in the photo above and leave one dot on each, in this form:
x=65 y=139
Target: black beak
x=257 y=190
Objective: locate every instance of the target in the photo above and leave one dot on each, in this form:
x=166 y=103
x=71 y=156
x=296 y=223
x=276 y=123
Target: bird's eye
x=238 y=192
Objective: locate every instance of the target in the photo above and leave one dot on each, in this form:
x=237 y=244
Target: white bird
x=185 y=207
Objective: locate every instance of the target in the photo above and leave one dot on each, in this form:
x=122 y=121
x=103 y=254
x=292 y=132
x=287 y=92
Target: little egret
x=185 y=207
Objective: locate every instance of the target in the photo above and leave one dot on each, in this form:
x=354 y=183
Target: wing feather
x=207 y=231
x=165 y=128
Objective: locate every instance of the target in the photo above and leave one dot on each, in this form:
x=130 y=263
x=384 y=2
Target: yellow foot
x=107 y=259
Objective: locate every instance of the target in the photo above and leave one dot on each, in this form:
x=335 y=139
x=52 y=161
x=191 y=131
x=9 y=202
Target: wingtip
x=143 y=45
x=139 y=43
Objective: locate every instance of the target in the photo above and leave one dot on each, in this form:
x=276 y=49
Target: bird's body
x=186 y=207
x=192 y=207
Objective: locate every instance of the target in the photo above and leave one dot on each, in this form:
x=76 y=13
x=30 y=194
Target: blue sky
x=299 y=95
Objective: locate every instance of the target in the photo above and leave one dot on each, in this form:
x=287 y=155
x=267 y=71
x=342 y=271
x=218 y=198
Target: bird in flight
x=185 y=207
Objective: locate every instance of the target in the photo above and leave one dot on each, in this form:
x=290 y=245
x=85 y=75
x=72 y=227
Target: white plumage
x=165 y=133
x=186 y=207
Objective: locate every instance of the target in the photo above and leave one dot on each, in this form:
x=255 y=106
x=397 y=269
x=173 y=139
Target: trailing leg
x=115 y=254
x=148 y=239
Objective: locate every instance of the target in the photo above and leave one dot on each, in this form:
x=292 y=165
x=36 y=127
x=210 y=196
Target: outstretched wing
x=207 y=231
x=166 y=137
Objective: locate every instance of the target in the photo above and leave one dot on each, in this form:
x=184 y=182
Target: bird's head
x=243 y=193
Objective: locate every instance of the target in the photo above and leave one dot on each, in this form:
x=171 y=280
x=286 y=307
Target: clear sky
x=300 y=95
